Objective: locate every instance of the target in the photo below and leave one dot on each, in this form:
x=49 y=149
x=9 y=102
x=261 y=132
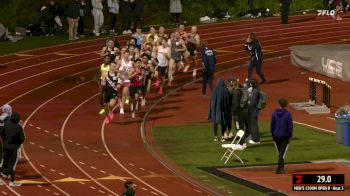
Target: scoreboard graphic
x=318 y=182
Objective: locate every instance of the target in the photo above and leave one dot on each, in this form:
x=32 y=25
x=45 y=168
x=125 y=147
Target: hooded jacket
x=220 y=103
x=13 y=135
x=281 y=124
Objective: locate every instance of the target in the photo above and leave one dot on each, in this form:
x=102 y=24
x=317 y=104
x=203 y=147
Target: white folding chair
x=230 y=148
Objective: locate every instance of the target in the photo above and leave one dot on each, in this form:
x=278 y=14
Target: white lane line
x=197 y=190
x=104 y=154
x=144 y=189
x=56 y=135
x=331 y=118
x=3 y=192
x=52 y=170
x=77 y=144
x=46 y=131
x=143 y=169
x=131 y=164
x=38 y=128
x=48 y=190
x=61 y=155
x=52 y=151
x=42 y=147
x=70 y=141
x=62 y=174
x=39 y=186
x=86 y=147
x=82 y=163
x=319 y=128
x=31 y=125
x=91 y=187
x=103 y=172
x=154 y=193
x=101 y=191
x=95 y=151
x=67 y=152
x=32 y=143
x=81 y=182
x=92 y=167
x=56 y=193
x=43 y=166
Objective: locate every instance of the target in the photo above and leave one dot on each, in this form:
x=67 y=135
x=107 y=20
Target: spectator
x=12 y=137
x=130 y=190
x=281 y=131
x=47 y=20
x=254 y=112
x=285 y=5
x=56 y=11
x=176 y=9
x=220 y=105
x=4 y=118
x=113 y=6
x=97 y=13
x=237 y=110
x=138 y=13
x=209 y=62
x=72 y=18
x=82 y=15
x=125 y=6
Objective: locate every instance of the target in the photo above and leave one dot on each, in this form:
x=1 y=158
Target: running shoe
x=194 y=72
x=102 y=111
x=127 y=101
x=15 y=184
x=121 y=111
x=222 y=139
x=215 y=138
x=107 y=120
x=157 y=83
x=186 y=68
x=143 y=102
x=111 y=115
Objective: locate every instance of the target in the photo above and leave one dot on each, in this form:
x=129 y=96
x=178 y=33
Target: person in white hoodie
x=97 y=13
x=113 y=6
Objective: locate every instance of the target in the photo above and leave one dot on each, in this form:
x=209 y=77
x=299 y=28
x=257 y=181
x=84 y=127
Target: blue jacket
x=281 y=124
x=208 y=60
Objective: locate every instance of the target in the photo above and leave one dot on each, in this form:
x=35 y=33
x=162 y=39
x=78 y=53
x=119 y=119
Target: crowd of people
x=146 y=61
x=75 y=11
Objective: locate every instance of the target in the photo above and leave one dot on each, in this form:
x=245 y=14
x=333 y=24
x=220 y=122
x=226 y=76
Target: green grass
x=192 y=146
x=7 y=47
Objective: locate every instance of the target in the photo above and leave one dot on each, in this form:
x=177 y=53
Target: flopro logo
x=332 y=67
x=326 y=12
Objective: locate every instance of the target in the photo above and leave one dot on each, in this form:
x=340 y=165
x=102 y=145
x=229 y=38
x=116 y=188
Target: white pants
x=98 y=19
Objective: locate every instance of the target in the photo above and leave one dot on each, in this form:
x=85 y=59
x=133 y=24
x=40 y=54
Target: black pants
x=81 y=26
x=255 y=133
x=223 y=129
x=113 y=20
x=285 y=12
x=281 y=147
x=177 y=17
x=238 y=121
x=10 y=162
x=246 y=122
x=126 y=21
x=258 y=65
x=207 y=79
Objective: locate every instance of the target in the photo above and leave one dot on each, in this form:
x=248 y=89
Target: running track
x=69 y=149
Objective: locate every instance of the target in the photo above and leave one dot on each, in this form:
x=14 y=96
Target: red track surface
x=66 y=138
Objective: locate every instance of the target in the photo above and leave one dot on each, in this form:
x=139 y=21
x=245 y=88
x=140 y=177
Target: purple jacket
x=281 y=124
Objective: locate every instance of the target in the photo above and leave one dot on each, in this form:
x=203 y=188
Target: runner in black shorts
x=148 y=71
x=136 y=83
x=113 y=84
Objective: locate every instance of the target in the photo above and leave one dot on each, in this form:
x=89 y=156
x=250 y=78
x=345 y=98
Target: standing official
x=282 y=131
x=12 y=137
x=285 y=5
x=209 y=62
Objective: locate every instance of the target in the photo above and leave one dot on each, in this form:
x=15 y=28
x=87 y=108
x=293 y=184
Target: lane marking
x=25 y=55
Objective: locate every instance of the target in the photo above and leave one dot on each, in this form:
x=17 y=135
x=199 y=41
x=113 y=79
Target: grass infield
x=192 y=146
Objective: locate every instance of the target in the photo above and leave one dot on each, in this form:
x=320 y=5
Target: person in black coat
x=12 y=137
x=256 y=59
x=209 y=62
x=285 y=5
x=73 y=12
x=219 y=108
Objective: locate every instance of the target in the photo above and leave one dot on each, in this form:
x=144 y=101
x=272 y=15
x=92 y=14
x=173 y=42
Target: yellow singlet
x=104 y=71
